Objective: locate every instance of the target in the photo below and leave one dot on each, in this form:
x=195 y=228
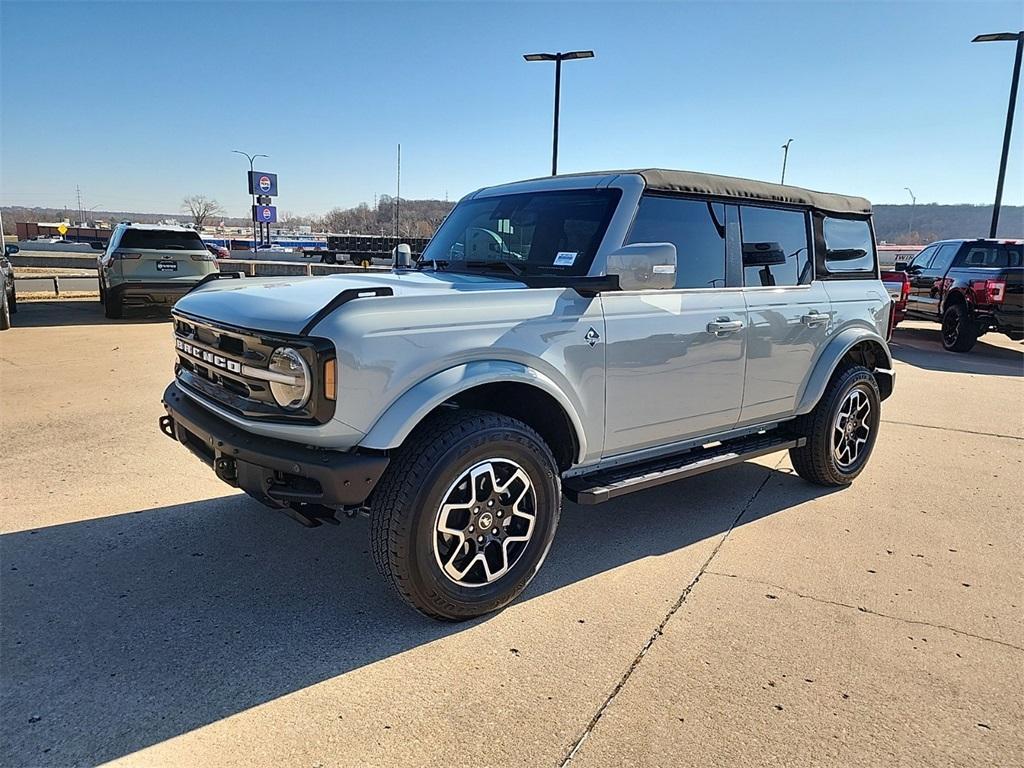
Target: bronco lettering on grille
x=212 y=358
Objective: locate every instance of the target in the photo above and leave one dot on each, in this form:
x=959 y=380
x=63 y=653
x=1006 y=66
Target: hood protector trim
x=343 y=298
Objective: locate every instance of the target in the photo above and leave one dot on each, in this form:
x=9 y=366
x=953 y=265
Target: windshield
x=537 y=233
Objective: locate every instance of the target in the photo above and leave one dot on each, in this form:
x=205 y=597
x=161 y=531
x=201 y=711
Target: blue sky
x=141 y=103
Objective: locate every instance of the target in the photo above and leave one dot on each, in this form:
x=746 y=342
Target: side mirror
x=402 y=254
x=644 y=266
x=10 y=250
x=901 y=266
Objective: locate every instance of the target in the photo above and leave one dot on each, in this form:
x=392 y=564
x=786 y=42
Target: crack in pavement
x=862 y=609
x=659 y=630
x=952 y=429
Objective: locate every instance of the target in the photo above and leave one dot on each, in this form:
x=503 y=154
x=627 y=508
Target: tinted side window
x=848 y=246
x=923 y=259
x=944 y=257
x=993 y=255
x=696 y=228
x=775 y=248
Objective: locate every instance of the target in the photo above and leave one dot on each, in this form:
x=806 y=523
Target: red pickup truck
x=971 y=287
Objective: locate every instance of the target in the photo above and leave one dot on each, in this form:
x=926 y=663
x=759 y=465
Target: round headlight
x=294 y=392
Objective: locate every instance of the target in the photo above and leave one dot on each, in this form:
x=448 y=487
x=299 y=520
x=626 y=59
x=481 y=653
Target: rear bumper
x=1009 y=320
x=274 y=472
x=151 y=292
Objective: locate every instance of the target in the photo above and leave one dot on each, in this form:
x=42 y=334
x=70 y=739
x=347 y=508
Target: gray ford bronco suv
x=586 y=335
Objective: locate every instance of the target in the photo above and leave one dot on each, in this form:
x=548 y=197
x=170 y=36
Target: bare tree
x=201 y=208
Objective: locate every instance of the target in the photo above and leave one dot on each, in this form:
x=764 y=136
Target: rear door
x=675 y=358
x=158 y=255
x=789 y=312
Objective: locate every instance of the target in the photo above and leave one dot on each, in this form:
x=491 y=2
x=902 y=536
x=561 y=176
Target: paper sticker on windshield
x=565 y=258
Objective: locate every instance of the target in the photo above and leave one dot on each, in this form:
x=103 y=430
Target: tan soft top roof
x=692 y=183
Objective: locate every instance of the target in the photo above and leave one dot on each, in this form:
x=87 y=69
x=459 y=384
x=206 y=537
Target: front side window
x=775 y=247
x=695 y=227
x=849 y=246
x=534 y=233
x=924 y=258
x=944 y=257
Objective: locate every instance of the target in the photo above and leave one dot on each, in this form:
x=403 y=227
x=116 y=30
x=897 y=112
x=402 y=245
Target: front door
x=925 y=275
x=675 y=358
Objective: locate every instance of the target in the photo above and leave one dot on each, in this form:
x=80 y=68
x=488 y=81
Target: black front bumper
x=275 y=472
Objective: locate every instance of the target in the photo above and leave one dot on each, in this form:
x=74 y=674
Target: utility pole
x=785 y=157
x=398 y=195
x=78 y=192
x=1014 y=82
x=913 y=205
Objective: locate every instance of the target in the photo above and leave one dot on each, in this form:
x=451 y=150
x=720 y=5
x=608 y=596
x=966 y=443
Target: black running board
x=608 y=484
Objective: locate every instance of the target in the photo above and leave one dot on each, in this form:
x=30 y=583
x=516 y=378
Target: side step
x=607 y=484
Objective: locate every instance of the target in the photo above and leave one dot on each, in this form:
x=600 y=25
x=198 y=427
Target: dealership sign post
x=263 y=187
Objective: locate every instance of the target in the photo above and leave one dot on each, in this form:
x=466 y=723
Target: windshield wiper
x=515 y=269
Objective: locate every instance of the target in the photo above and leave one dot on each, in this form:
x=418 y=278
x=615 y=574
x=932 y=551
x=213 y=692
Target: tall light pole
x=251 y=158
x=913 y=205
x=558 y=58
x=1004 y=36
x=785 y=157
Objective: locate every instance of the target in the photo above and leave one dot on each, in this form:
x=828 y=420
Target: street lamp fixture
x=785 y=157
x=558 y=58
x=1014 y=82
x=251 y=158
x=913 y=205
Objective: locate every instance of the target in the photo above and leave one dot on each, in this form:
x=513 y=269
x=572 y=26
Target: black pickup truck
x=971 y=287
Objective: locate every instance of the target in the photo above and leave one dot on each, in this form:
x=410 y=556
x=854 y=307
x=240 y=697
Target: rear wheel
x=841 y=430
x=113 y=306
x=959 y=331
x=5 y=312
x=465 y=514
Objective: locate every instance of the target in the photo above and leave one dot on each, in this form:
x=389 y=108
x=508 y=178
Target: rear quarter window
x=849 y=246
x=161 y=240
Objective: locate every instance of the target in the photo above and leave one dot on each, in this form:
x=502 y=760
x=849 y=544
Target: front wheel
x=465 y=514
x=841 y=430
x=959 y=331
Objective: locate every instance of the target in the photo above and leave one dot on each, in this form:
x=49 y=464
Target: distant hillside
x=893 y=223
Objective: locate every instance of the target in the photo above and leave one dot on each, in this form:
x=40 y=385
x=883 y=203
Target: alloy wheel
x=851 y=430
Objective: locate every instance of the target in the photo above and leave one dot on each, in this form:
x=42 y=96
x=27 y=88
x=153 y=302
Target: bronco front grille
x=225 y=364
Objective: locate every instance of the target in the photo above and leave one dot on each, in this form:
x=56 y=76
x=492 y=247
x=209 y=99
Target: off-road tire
x=816 y=461
x=959 y=331
x=407 y=499
x=113 y=307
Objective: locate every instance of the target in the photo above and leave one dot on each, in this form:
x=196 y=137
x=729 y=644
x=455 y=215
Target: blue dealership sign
x=266 y=214
x=262 y=183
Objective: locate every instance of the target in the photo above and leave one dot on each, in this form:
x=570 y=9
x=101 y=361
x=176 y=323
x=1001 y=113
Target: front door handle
x=723 y=326
x=813 y=318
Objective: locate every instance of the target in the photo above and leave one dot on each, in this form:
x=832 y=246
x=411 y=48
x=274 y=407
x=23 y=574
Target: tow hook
x=167 y=427
x=226 y=469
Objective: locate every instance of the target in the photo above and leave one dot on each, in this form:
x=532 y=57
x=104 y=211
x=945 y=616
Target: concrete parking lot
x=151 y=616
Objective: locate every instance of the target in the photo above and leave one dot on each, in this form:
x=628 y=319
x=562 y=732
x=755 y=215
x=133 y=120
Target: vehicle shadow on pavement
x=43 y=313
x=124 y=631
x=922 y=348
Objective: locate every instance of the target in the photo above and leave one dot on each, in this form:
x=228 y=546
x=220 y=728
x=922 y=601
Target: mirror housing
x=402 y=254
x=10 y=250
x=644 y=266
x=900 y=266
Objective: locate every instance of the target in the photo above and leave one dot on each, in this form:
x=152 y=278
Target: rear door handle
x=723 y=326
x=813 y=318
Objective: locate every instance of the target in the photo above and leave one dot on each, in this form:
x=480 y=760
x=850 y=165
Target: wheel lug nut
x=480 y=539
x=495 y=531
x=471 y=529
x=490 y=502
x=500 y=513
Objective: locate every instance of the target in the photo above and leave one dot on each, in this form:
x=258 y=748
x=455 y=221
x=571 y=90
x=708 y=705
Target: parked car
x=970 y=287
x=218 y=251
x=632 y=328
x=898 y=286
x=8 y=297
x=149 y=264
